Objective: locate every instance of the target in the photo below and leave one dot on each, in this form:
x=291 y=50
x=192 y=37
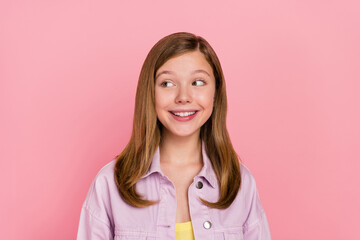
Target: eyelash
x=163 y=83
x=201 y=80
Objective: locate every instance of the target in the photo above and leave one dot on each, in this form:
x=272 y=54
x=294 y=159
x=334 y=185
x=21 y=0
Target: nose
x=183 y=95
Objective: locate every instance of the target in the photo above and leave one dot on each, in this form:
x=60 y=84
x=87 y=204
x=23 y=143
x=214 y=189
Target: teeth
x=184 y=114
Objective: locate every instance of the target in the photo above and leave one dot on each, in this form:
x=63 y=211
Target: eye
x=166 y=84
x=198 y=82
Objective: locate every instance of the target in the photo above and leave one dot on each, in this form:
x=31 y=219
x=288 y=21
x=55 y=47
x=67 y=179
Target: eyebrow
x=193 y=72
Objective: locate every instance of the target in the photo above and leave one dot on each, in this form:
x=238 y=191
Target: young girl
x=179 y=176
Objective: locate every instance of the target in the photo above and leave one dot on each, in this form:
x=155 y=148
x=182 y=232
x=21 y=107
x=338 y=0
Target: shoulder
x=105 y=174
x=248 y=189
x=250 y=197
x=97 y=210
x=106 y=171
x=102 y=185
x=247 y=178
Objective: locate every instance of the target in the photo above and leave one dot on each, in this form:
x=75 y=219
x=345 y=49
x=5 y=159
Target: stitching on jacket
x=95 y=217
x=247 y=227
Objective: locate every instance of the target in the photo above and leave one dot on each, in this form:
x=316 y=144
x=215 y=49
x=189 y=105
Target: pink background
x=69 y=70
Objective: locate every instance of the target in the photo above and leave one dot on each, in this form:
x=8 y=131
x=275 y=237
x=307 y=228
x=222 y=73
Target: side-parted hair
x=135 y=160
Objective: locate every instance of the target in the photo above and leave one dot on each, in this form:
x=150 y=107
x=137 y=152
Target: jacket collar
x=207 y=172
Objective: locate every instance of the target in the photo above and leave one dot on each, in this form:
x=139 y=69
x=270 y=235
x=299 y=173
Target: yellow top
x=184 y=231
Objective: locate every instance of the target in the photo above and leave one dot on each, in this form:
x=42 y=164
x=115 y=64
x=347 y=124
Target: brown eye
x=198 y=83
x=166 y=84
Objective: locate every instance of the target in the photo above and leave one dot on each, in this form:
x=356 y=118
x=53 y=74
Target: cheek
x=207 y=100
x=161 y=104
x=164 y=98
x=158 y=99
x=158 y=107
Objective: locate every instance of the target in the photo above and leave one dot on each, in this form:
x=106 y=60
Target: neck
x=180 y=150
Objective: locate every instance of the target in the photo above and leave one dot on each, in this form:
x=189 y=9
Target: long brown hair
x=135 y=159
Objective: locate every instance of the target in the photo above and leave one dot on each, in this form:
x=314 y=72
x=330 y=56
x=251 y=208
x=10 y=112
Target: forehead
x=190 y=61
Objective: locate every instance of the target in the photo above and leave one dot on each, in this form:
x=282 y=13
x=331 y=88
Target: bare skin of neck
x=181 y=160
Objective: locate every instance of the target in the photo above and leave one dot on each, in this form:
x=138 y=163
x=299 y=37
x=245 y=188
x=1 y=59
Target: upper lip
x=184 y=110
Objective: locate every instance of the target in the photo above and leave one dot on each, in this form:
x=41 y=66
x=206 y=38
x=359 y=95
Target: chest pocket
x=132 y=235
x=230 y=234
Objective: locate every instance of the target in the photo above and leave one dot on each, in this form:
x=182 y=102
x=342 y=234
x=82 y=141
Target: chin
x=183 y=133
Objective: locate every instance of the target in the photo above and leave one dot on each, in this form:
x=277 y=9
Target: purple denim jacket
x=104 y=215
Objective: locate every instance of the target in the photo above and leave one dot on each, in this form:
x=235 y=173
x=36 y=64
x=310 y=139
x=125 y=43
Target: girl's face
x=184 y=93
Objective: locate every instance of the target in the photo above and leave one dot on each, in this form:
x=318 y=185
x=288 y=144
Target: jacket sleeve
x=256 y=226
x=258 y=230
x=95 y=217
x=93 y=228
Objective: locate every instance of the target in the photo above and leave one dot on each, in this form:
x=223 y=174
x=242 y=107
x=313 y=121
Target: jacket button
x=207 y=225
x=199 y=185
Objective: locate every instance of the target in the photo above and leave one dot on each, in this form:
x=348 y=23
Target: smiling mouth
x=183 y=114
